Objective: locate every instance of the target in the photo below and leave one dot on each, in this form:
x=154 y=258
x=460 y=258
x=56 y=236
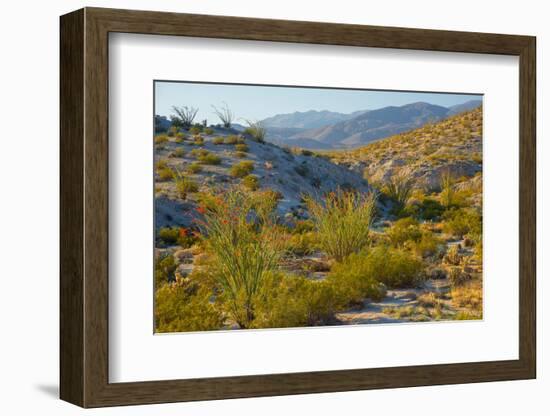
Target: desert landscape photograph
x=285 y=206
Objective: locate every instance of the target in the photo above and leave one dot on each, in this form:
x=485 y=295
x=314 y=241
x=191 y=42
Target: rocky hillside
x=221 y=159
x=453 y=145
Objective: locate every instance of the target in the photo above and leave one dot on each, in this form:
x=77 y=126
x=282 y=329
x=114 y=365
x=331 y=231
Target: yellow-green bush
x=169 y=234
x=165 y=174
x=256 y=130
x=198 y=140
x=292 y=301
x=303 y=226
x=217 y=140
x=342 y=221
x=164 y=269
x=251 y=182
x=179 y=152
x=302 y=244
x=391 y=266
x=428 y=246
x=185 y=185
x=241 y=169
x=403 y=230
x=357 y=278
x=194 y=167
x=208 y=131
x=162 y=138
x=181 y=308
x=209 y=159
x=399 y=189
x=196 y=153
x=241 y=147
x=231 y=139
x=463 y=221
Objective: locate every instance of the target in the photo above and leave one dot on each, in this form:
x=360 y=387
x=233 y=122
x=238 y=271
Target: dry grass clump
x=468 y=295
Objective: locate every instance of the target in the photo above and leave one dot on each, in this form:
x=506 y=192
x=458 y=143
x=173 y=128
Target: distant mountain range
x=331 y=130
x=308 y=119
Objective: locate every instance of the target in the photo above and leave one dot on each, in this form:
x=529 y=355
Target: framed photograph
x=255 y=207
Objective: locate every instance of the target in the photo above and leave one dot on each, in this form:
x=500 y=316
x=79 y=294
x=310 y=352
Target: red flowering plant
x=241 y=235
x=186 y=237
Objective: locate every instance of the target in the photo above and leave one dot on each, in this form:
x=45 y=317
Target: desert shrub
x=394 y=267
x=165 y=173
x=209 y=159
x=196 y=153
x=292 y=301
x=457 y=276
x=303 y=226
x=195 y=130
x=208 y=131
x=256 y=130
x=448 y=193
x=240 y=155
x=403 y=230
x=172 y=131
x=342 y=221
x=242 y=169
x=231 y=139
x=179 y=152
x=194 y=167
x=430 y=209
x=264 y=204
x=357 y=278
x=302 y=244
x=428 y=245
x=165 y=266
x=225 y=115
x=198 y=140
x=217 y=140
x=181 y=308
x=187 y=238
x=162 y=163
x=184 y=185
x=453 y=255
x=305 y=152
x=463 y=221
x=399 y=189
x=180 y=137
x=162 y=138
x=251 y=182
x=246 y=247
x=169 y=235
x=184 y=116
x=241 y=147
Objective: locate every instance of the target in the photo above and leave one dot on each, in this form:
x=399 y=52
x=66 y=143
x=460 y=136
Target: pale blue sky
x=254 y=102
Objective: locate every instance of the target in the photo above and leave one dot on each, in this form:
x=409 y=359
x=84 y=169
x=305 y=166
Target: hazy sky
x=253 y=102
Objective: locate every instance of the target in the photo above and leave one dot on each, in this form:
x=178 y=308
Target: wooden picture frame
x=84 y=207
